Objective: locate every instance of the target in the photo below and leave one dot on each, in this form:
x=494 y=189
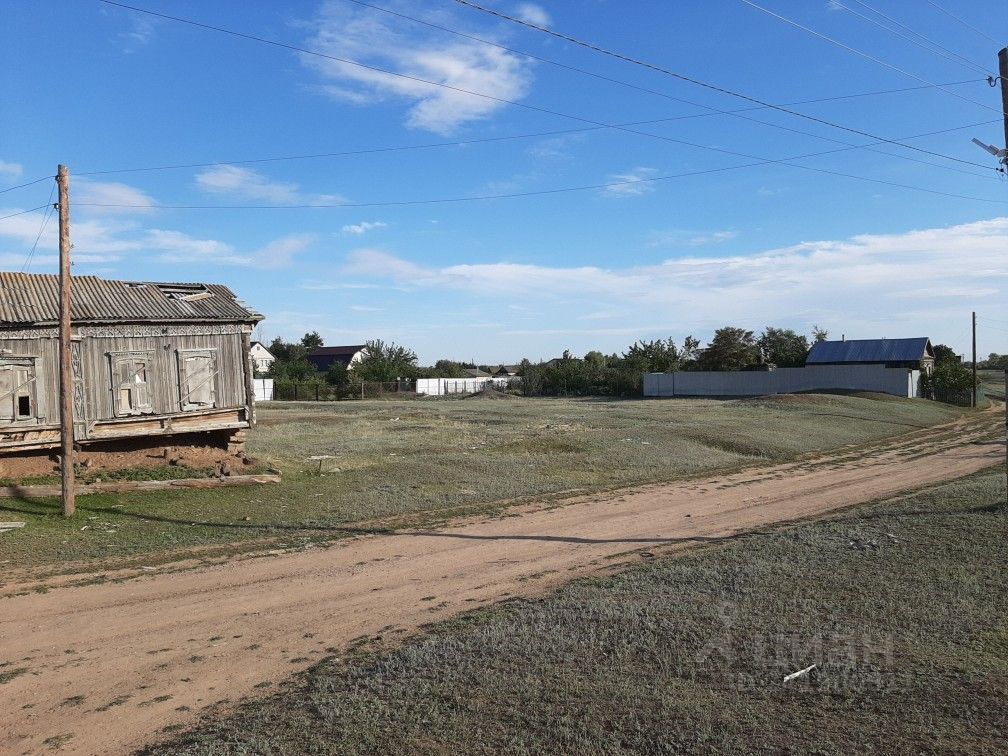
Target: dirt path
x=107 y=666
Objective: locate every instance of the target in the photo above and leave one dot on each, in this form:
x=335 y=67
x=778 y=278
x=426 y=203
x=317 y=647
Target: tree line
x=597 y=374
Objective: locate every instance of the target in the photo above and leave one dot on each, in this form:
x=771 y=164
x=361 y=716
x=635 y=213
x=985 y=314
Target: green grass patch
x=422 y=461
x=902 y=606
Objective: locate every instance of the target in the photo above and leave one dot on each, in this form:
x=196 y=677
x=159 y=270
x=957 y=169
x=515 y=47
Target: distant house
x=561 y=361
x=324 y=357
x=504 y=371
x=262 y=358
x=476 y=373
x=915 y=353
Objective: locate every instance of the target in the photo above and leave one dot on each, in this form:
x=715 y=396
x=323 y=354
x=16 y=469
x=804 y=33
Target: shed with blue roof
x=916 y=353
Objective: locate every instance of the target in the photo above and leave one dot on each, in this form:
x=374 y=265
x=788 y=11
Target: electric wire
x=928 y=44
x=42 y=228
x=588 y=187
x=863 y=54
x=734 y=113
x=964 y=23
x=706 y=85
x=23 y=212
x=526 y=106
x=28 y=183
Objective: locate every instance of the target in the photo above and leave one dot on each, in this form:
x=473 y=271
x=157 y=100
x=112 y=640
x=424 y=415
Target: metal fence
x=288 y=391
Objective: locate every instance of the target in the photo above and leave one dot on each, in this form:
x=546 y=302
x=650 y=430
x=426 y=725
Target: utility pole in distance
x=1003 y=76
x=65 y=373
x=974 y=362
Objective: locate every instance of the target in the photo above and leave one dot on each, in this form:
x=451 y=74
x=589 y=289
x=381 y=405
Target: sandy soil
x=153 y=650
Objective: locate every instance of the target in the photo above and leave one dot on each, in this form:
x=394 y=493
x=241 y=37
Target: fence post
x=295 y=392
x=362 y=389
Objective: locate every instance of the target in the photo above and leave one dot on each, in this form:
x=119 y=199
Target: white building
x=261 y=357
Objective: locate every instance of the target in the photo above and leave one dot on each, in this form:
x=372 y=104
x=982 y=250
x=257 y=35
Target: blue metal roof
x=869 y=350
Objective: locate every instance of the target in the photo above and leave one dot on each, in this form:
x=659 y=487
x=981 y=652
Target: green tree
x=995 y=361
x=291 y=363
x=783 y=347
x=819 y=334
x=658 y=356
x=730 y=349
x=311 y=341
x=385 y=362
x=338 y=376
x=945 y=354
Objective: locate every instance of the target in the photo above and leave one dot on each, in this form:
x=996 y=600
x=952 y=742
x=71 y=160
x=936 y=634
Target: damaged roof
x=28 y=299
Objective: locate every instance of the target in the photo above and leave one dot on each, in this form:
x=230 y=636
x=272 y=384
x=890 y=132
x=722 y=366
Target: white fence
x=263 y=388
x=897 y=381
x=444 y=386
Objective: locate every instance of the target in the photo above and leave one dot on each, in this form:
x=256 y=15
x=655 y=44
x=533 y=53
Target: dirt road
x=107 y=666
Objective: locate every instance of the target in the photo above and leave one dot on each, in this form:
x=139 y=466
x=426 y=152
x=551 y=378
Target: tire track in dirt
x=106 y=667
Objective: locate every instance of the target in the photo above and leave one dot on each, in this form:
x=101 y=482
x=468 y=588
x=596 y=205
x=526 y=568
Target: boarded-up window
x=197 y=379
x=130 y=383
x=17 y=391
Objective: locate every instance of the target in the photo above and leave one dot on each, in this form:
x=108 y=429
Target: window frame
x=185 y=392
x=29 y=389
x=132 y=356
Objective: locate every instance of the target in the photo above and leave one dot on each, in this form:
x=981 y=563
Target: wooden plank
x=129 y=486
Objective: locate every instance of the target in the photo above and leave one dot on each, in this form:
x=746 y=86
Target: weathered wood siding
x=162 y=343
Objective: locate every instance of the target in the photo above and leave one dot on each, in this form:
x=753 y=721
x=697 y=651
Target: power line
x=867 y=56
x=928 y=44
x=967 y=25
x=706 y=85
x=23 y=212
x=484 y=140
x=29 y=183
x=526 y=106
x=42 y=227
x=541 y=192
x=734 y=113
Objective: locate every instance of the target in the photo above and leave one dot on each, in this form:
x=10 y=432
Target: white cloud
x=868 y=285
x=633 y=183
x=93 y=194
x=363 y=227
x=248 y=184
x=533 y=13
x=371 y=38
x=176 y=247
x=10 y=170
x=106 y=240
x=364 y=308
x=685 y=238
x=140 y=32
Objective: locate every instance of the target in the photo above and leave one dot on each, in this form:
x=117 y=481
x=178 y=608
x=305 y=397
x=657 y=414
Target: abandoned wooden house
x=154 y=365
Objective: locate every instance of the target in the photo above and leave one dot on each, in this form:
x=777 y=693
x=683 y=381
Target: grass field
x=425 y=460
x=903 y=605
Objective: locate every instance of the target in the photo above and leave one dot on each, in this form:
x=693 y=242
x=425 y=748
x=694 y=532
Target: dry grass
x=425 y=460
x=902 y=606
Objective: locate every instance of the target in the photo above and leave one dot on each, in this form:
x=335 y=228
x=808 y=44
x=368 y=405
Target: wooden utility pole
x=65 y=369
x=1003 y=75
x=974 y=362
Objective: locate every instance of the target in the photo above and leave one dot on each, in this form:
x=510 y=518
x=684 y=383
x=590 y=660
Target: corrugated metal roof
x=870 y=350
x=33 y=299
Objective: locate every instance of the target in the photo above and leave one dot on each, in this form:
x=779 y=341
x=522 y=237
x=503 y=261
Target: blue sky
x=501 y=279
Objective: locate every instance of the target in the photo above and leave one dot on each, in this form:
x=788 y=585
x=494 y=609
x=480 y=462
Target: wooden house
x=149 y=361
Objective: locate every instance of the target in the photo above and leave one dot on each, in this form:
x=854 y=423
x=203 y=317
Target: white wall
x=895 y=381
x=443 y=386
x=263 y=388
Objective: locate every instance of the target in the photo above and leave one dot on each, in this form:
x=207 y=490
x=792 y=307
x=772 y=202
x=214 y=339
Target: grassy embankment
x=903 y=605
x=416 y=462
